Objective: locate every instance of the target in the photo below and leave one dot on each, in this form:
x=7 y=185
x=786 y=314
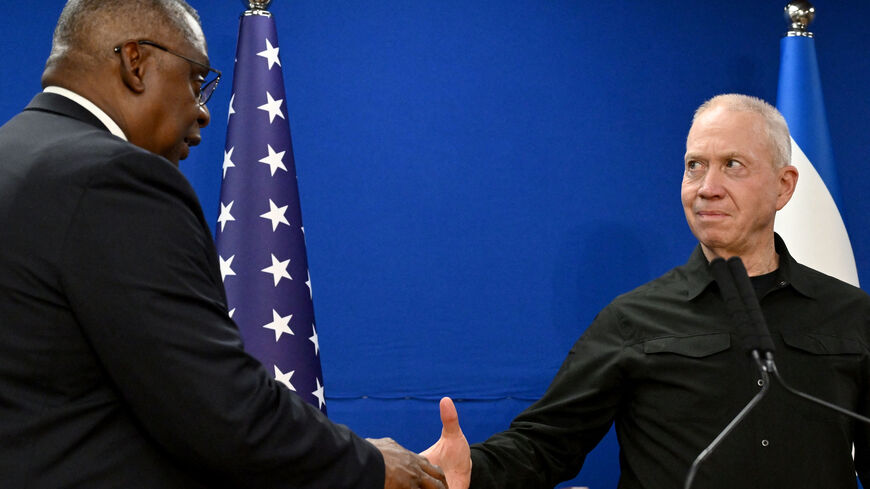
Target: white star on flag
x=279 y=325
x=233 y=311
x=276 y=215
x=278 y=270
x=225 y=267
x=232 y=110
x=225 y=215
x=273 y=107
x=308 y=283
x=228 y=162
x=275 y=160
x=314 y=340
x=318 y=393
x=284 y=378
x=271 y=54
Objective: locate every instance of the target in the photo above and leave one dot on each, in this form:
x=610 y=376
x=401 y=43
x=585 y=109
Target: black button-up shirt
x=664 y=363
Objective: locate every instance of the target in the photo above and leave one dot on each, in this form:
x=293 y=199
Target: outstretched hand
x=451 y=451
x=407 y=470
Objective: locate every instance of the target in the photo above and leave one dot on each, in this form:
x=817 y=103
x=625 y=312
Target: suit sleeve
x=139 y=268
x=548 y=442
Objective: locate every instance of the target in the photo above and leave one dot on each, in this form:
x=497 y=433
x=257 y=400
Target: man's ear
x=788 y=177
x=132 y=66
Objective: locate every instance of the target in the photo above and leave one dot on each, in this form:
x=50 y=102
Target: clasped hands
x=447 y=463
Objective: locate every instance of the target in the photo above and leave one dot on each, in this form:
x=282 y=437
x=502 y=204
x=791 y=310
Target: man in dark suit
x=120 y=366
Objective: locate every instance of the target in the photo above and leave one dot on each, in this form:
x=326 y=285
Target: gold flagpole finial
x=799 y=14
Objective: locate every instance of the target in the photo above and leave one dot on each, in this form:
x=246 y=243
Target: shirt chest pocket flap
x=694 y=346
x=822 y=344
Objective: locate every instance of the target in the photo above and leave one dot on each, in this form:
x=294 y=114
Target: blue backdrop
x=479 y=178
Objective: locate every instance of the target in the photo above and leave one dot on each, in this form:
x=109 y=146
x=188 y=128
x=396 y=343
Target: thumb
x=449 y=419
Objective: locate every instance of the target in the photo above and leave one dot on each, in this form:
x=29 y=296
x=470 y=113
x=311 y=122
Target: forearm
x=548 y=442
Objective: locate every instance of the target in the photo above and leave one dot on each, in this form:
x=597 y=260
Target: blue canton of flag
x=260 y=236
x=811 y=223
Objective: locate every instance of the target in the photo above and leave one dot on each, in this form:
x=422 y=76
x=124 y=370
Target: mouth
x=711 y=215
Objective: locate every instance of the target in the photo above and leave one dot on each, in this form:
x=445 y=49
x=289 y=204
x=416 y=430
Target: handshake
x=445 y=464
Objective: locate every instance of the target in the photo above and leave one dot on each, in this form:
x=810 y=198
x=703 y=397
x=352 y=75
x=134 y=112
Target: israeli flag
x=810 y=223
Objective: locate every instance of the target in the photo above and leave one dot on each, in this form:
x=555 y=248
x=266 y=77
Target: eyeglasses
x=207 y=88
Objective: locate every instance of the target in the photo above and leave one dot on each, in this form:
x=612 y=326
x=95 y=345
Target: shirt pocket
x=828 y=367
x=686 y=377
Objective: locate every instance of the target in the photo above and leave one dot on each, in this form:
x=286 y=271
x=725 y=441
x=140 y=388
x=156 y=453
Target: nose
x=202 y=120
x=204 y=116
x=711 y=185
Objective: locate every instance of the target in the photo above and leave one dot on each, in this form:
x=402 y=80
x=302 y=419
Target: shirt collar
x=107 y=121
x=699 y=277
x=791 y=272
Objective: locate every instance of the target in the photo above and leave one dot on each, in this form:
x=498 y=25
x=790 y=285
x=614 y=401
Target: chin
x=176 y=156
x=172 y=159
x=713 y=240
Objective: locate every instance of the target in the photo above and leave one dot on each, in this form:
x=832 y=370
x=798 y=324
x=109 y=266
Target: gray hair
x=79 y=36
x=775 y=126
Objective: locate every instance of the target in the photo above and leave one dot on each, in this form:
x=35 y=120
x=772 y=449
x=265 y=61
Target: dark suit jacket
x=119 y=366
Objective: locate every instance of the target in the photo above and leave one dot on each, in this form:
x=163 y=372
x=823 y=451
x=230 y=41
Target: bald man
x=120 y=366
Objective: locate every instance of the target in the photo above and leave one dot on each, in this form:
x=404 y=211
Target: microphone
x=731 y=296
x=757 y=335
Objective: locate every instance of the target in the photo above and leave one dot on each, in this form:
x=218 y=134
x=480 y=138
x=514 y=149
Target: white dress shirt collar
x=91 y=107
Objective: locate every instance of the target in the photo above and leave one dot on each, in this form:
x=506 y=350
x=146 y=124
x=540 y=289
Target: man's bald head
x=88 y=29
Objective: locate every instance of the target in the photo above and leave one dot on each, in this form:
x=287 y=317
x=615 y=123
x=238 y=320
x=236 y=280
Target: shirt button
x=764 y=443
x=760 y=382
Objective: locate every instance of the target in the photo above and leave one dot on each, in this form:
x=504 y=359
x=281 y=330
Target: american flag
x=260 y=237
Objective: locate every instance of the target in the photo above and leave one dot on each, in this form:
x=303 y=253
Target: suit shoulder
x=48 y=145
x=52 y=158
x=84 y=156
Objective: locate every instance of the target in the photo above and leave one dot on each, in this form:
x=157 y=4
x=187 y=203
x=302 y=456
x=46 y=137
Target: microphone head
x=758 y=336
x=730 y=296
x=718 y=267
x=735 y=264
